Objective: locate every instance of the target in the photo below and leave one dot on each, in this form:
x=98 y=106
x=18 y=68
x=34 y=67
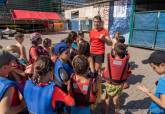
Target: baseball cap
x=157 y=57
x=60 y=47
x=19 y=35
x=6 y=57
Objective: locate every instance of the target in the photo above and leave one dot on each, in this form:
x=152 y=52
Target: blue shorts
x=80 y=110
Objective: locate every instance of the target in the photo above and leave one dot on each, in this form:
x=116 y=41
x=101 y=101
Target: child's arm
x=106 y=39
x=23 y=53
x=6 y=107
x=69 y=88
x=91 y=64
x=59 y=95
x=94 y=86
x=160 y=101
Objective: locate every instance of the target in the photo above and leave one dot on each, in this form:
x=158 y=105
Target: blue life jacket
x=38 y=99
x=60 y=65
x=4 y=85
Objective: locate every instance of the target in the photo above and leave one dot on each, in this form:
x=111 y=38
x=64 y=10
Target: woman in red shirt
x=98 y=37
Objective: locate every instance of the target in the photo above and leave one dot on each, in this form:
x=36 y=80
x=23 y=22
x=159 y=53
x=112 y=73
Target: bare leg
x=98 y=66
x=107 y=102
x=125 y=86
x=116 y=103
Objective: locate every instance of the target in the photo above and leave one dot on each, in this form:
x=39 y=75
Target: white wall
x=90 y=12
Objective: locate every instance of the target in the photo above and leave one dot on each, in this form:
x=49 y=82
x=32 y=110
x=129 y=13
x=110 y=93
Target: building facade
x=33 y=5
x=71 y=4
x=81 y=18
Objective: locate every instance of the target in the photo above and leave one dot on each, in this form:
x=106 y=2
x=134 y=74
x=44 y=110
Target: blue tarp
x=160 y=40
x=143 y=38
x=75 y=25
x=144 y=25
x=161 y=21
x=145 y=20
x=149 y=29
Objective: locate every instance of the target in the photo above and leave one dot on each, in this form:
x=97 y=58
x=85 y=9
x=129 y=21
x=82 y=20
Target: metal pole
x=132 y=21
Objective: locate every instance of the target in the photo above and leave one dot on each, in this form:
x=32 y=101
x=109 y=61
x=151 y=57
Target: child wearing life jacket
x=11 y=101
x=47 y=46
x=115 y=74
x=19 y=37
x=82 y=88
x=72 y=36
x=17 y=73
x=63 y=68
x=84 y=49
x=157 y=62
x=53 y=56
x=40 y=93
x=117 y=39
x=71 y=43
x=80 y=37
x=36 y=50
x=14 y=50
x=74 y=47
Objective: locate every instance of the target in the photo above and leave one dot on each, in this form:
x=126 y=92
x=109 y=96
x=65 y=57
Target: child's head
x=13 y=49
x=47 y=43
x=36 y=39
x=42 y=70
x=61 y=49
x=80 y=64
x=117 y=35
x=7 y=61
x=80 y=35
x=157 y=61
x=72 y=36
x=84 y=48
x=53 y=55
x=19 y=37
x=120 y=50
x=121 y=39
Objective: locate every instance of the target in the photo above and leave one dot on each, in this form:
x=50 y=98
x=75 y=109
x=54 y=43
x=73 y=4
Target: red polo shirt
x=96 y=45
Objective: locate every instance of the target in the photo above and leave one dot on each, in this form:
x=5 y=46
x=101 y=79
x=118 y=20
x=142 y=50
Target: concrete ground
x=133 y=101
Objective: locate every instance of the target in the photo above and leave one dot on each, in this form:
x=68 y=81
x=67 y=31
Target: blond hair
x=13 y=49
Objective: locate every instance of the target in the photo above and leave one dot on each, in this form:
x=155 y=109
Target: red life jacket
x=40 y=51
x=82 y=92
x=117 y=70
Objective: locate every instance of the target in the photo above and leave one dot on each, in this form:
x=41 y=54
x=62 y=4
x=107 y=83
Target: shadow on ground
x=133 y=79
x=133 y=65
x=136 y=105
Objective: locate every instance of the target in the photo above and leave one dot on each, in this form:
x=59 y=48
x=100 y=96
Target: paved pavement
x=133 y=101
